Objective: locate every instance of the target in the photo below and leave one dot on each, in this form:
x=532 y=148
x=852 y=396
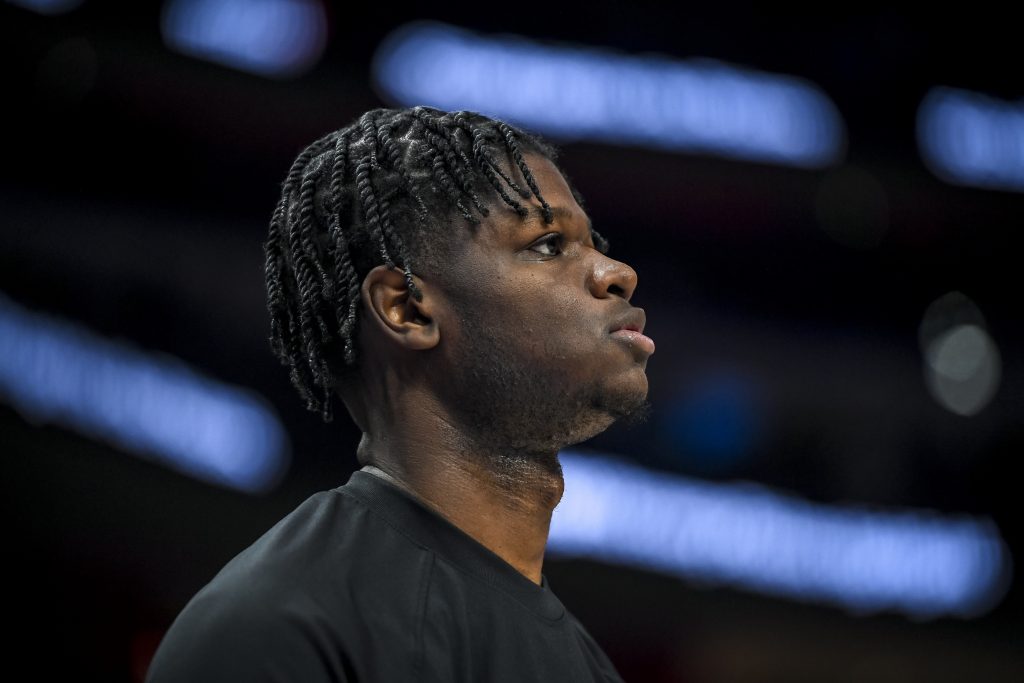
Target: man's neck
x=502 y=501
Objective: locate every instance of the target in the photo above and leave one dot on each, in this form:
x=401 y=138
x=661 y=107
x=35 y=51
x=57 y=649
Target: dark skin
x=465 y=396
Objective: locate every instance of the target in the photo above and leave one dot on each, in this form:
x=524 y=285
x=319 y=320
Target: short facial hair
x=521 y=409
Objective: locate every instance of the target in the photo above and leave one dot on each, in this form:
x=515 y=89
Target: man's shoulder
x=332 y=571
x=331 y=539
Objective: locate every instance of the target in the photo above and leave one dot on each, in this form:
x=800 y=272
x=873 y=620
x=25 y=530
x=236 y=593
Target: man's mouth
x=630 y=330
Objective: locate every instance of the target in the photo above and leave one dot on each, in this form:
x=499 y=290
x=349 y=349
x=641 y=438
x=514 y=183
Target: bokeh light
x=53 y=371
x=47 y=6
x=574 y=92
x=277 y=38
x=969 y=138
x=713 y=424
x=962 y=365
x=745 y=535
x=852 y=207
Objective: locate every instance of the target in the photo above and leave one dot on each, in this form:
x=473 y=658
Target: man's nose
x=612 y=278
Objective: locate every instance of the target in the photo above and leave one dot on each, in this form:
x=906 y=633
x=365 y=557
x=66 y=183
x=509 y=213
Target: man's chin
x=635 y=414
x=627 y=407
x=624 y=410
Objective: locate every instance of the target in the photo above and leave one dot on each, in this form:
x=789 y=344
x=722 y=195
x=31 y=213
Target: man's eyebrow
x=537 y=214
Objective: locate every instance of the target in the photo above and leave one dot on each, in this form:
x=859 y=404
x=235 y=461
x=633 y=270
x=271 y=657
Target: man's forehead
x=561 y=214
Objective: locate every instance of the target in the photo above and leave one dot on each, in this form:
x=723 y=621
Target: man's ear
x=396 y=313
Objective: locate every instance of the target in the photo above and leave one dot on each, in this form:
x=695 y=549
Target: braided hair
x=378 y=192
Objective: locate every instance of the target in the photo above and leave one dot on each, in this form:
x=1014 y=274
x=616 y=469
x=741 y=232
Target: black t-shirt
x=364 y=583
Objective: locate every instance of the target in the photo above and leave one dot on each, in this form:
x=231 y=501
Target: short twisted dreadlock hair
x=378 y=191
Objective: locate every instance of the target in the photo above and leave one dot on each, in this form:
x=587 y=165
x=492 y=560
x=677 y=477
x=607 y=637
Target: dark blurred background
x=790 y=307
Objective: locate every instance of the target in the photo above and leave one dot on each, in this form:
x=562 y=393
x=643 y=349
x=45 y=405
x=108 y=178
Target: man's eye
x=549 y=245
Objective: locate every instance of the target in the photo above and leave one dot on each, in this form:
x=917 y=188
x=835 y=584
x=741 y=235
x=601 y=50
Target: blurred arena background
x=823 y=211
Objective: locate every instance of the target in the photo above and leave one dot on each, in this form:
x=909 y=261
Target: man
x=436 y=272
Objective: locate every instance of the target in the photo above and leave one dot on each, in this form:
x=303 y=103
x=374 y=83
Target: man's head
x=453 y=246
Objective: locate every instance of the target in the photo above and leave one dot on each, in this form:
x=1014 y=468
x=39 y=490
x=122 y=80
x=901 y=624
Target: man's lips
x=636 y=339
x=630 y=330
